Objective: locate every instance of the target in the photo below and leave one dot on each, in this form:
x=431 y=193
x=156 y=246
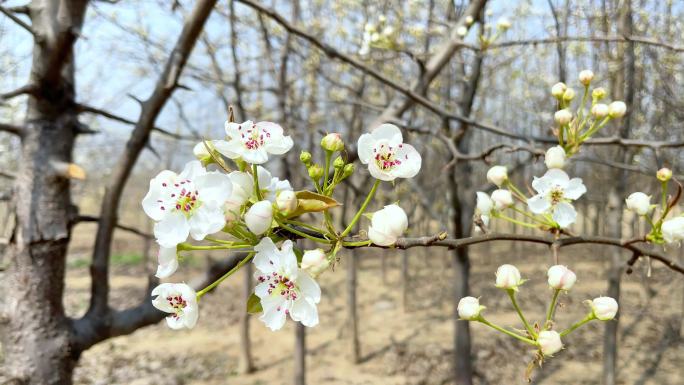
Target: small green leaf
x=309 y=202
x=254 y=304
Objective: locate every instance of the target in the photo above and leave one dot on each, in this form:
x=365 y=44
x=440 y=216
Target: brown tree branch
x=99 y=316
x=17 y=20
x=130 y=229
x=12 y=128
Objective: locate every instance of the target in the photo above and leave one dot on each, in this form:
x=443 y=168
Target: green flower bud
x=332 y=142
x=348 y=170
x=338 y=163
x=598 y=93
x=305 y=157
x=316 y=172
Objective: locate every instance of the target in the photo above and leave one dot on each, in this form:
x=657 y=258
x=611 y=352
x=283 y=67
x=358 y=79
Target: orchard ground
x=398 y=346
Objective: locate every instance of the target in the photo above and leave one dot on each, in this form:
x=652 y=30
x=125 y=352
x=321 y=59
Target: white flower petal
x=227 y=148
x=172 y=230
x=304 y=312
x=168 y=262
x=256 y=156
x=206 y=220
x=309 y=287
x=365 y=147
x=410 y=161
x=538 y=204
x=564 y=214
x=378 y=173
x=214 y=188
x=192 y=170
x=388 y=132
x=574 y=189
x=557 y=177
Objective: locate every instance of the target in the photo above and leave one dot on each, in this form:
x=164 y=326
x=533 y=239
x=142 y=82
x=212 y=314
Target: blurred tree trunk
x=354 y=346
x=300 y=354
x=35 y=331
x=405 y=280
x=246 y=362
x=623 y=89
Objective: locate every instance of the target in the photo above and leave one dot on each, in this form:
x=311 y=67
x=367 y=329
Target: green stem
x=592 y=130
x=356 y=218
x=257 y=190
x=328 y=154
x=303 y=224
x=511 y=295
x=664 y=196
x=552 y=308
x=357 y=243
x=216 y=247
x=302 y=234
x=534 y=218
x=586 y=319
x=224 y=276
x=519 y=194
x=521 y=223
x=510 y=333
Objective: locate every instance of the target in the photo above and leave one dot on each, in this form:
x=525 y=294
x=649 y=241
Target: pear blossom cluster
x=228 y=200
x=543 y=335
x=665 y=227
x=550 y=208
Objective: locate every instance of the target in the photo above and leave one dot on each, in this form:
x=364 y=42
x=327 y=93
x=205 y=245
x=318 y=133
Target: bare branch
x=130 y=229
x=609 y=39
x=23 y=90
x=97 y=111
x=18 y=20
x=12 y=128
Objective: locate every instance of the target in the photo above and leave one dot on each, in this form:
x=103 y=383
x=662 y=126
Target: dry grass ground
x=399 y=346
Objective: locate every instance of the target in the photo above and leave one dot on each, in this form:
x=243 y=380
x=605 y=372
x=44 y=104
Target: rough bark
x=35 y=331
x=300 y=354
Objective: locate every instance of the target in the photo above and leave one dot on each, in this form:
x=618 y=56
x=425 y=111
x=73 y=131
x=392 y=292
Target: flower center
x=181 y=196
x=385 y=157
x=178 y=304
x=280 y=285
x=556 y=195
x=252 y=136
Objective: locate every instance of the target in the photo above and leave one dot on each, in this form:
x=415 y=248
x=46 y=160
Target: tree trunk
x=35 y=331
x=352 y=271
x=405 y=279
x=300 y=354
x=246 y=362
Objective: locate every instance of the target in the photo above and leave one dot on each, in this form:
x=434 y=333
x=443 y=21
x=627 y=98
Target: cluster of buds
x=540 y=334
x=574 y=128
x=378 y=35
x=664 y=228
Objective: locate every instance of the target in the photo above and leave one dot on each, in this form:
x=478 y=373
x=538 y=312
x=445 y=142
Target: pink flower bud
x=561 y=278
x=604 y=308
x=549 y=342
x=508 y=277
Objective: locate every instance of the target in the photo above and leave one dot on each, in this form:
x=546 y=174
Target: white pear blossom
x=387 y=225
x=673 y=229
x=561 y=278
x=497 y=175
x=168 y=262
x=187 y=203
x=484 y=207
x=558 y=89
x=178 y=299
x=555 y=191
x=585 y=77
x=270 y=186
x=508 y=277
x=639 y=203
x=243 y=187
x=315 y=261
x=284 y=288
x=555 y=157
x=253 y=142
x=617 y=109
x=599 y=110
x=502 y=199
x=604 y=308
x=469 y=308
x=563 y=116
x=549 y=342
x=259 y=217
x=386 y=155
x=286 y=201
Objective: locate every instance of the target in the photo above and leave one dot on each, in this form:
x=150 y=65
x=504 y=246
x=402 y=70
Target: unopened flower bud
x=617 y=109
x=558 y=89
x=664 y=174
x=462 y=31
x=563 y=117
x=348 y=170
x=638 y=203
x=315 y=261
x=599 y=111
x=497 y=175
x=316 y=172
x=469 y=20
x=549 y=342
x=502 y=199
x=569 y=94
x=286 y=201
x=673 y=230
x=259 y=217
x=469 y=308
x=604 y=308
x=561 y=278
x=585 y=77
x=555 y=157
x=202 y=154
x=332 y=142
x=508 y=277
x=387 y=225
x=305 y=157
x=503 y=24
x=598 y=93
x=338 y=162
